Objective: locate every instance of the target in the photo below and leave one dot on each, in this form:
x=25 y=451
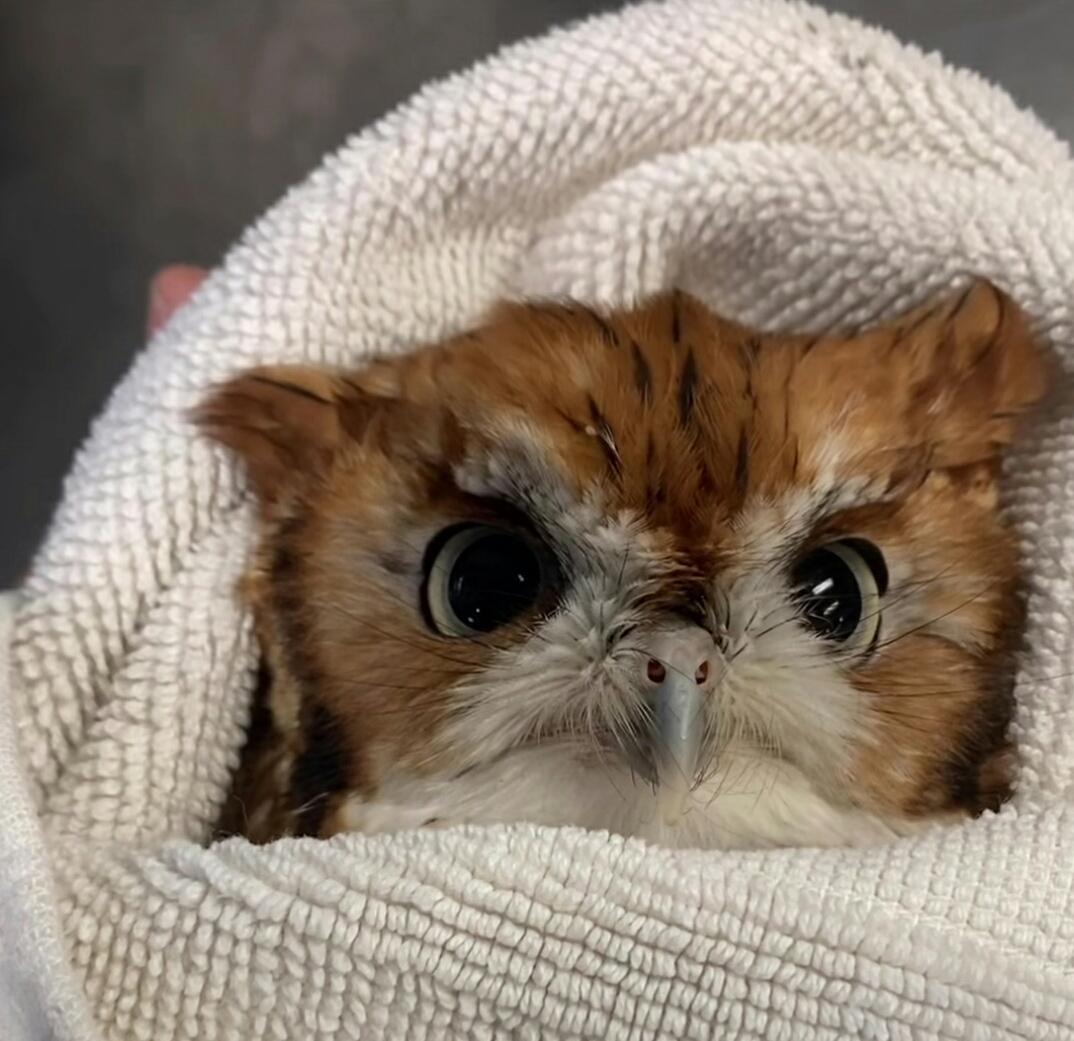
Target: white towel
x=795 y=170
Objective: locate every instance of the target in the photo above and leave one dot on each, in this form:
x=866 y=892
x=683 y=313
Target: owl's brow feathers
x=594 y=423
x=664 y=454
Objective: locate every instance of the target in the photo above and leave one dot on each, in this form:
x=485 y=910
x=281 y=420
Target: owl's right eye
x=478 y=578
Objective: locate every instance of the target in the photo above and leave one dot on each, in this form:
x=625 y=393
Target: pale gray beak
x=681 y=667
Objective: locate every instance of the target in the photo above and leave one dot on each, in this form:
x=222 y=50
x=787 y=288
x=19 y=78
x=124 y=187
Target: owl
x=644 y=570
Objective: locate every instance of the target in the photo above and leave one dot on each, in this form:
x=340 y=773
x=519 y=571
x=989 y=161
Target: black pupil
x=828 y=594
x=493 y=579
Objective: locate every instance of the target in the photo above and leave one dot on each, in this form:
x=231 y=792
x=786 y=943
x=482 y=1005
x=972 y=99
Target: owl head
x=646 y=570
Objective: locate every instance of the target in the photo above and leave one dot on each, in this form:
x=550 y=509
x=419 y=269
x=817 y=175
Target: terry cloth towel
x=795 y=170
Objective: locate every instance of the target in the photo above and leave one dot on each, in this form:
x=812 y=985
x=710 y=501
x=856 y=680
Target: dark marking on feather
x=576 y=425
x=976 y=777
x=676 y=316
x=824 y=507
x=288 y=602
x=654 y=493
x=290 y=388
x=607 y=333
x=643 y=377
x=394 y=562
x=262 y=738
x=605 y=437
x=742 y=462
x=687 y=387
x=320 y=771
x=261 y=722
x=751 y=390
x=359 y=390
x=1001 y=307
x=787 y=401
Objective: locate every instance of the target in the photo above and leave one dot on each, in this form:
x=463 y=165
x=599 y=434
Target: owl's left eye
x=479 y=578
x=838 y=589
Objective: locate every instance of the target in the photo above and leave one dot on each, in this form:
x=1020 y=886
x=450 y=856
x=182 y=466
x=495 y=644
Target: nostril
x=702 y=673
x=655 y=671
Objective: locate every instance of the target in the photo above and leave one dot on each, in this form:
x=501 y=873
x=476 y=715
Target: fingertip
x=169 y=289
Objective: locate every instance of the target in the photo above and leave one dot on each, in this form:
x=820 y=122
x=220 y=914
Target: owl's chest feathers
x=747 y=801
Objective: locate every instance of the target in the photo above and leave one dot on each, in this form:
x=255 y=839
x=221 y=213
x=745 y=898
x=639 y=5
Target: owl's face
x=646 y=571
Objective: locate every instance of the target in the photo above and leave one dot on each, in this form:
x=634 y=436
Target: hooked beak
x=680 y=671
x=678 y=711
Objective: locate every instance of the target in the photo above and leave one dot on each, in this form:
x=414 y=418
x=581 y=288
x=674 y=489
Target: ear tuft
x=970 y=369
x=283 y=422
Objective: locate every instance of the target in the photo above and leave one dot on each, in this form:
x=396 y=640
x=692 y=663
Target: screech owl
x=642 y=570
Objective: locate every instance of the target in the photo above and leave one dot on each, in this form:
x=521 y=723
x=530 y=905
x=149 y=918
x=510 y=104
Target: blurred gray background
x=140 y=132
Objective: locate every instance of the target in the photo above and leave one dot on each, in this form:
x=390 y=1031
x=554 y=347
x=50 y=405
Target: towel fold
x=795 y=170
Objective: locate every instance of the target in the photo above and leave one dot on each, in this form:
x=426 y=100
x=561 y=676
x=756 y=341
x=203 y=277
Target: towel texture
x=795 y=170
